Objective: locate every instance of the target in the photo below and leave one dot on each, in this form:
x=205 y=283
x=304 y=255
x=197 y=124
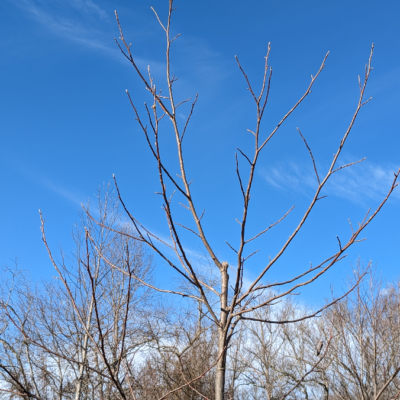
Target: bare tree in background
x=362 y=361
x=76 y=337
x=365 y=354
x=279 y=357
x=182 y=353
x=228 y=302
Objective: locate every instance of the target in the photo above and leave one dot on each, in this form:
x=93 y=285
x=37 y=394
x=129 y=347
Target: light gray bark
x=84 y=354
x=222 y=335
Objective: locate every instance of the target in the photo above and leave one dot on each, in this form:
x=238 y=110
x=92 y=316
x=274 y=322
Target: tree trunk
x=221 y=368
x=222 y=330
x=78 y=391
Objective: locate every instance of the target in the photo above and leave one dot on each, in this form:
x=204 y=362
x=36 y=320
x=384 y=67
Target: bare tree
x=365 y=355
x=77 y=336
x=177 y=357
x=280 y=360
x=228 y=302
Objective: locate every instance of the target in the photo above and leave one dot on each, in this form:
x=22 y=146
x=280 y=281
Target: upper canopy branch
x=329 y=173
x=307 y=92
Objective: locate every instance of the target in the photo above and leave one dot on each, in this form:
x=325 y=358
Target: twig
x=311 y=155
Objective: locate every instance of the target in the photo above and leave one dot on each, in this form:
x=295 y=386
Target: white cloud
x=41 y=179
x=365 y=181
x=83 y=22
x=87 y=6
x=78 y=20
x=291 y=176
x=69 y=195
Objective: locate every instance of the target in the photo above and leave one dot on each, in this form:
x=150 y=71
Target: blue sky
x=66 y=125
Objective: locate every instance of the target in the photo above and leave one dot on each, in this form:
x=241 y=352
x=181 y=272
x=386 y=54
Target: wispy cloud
x=83 y=22
x=88 y=7
x=77 y=20
x=86 y=23
x=68 y=194
x=291 y=176
x=365 y=181
x=41 y=179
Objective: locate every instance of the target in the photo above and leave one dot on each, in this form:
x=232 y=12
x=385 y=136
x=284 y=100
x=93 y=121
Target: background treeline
x=99 y=331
